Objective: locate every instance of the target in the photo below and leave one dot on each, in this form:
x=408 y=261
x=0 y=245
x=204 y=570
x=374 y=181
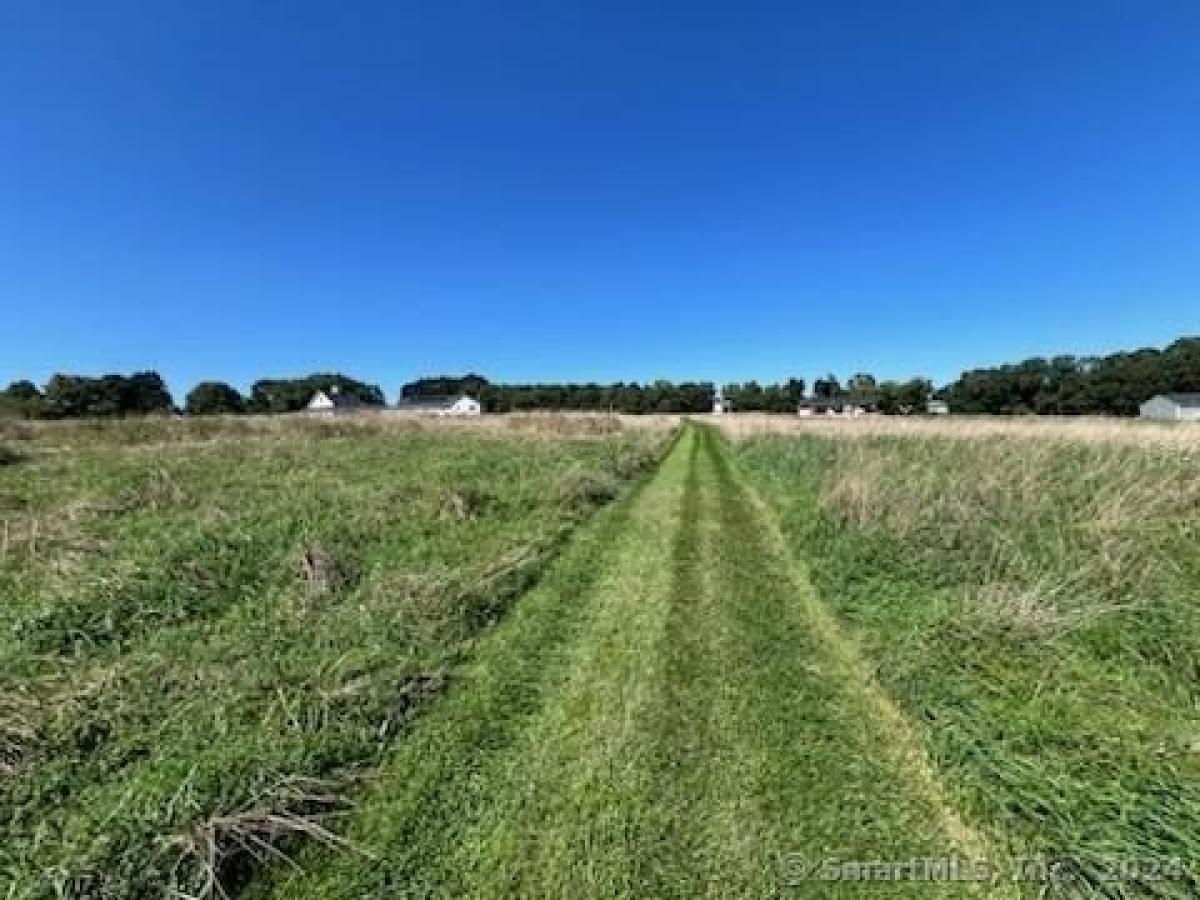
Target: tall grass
x=1032 y=602
x=208 y=637
x=1182 y=436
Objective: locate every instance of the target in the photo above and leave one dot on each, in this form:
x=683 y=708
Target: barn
x=1172 y=408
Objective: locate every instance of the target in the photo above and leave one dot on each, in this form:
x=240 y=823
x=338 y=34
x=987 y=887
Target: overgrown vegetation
x=1032 y=604
x=658 y=718
x=205 y=644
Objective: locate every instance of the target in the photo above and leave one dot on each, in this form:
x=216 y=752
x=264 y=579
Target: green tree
x=210 y=398
x=22 y=400
x=827 y=388
x=862 y=389
x=74 y=396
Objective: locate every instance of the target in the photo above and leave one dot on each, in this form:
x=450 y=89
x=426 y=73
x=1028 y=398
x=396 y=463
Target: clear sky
x=593 y=191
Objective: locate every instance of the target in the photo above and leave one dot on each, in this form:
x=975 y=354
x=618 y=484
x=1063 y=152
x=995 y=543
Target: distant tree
x=22 y=400
x=862 y=389
x=827 y=388
x=915 y=394
x=749 y=396
x=73 y=396
x=210 y=398
x=444 y=385
x=793 y=392
x=889 y=398
x=1116 y=384
x=67 y=396
x=659 y=396
x=145 y=392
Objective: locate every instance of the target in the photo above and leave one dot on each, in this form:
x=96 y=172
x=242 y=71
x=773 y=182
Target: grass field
x=567 y=656
x=1032 y=604
x=208 y=635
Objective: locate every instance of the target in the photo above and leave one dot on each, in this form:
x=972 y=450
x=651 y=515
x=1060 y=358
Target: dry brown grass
x=153 y=434
x=1057 y=521
x=216 y=849
x=18 y=726
x=1091 y=429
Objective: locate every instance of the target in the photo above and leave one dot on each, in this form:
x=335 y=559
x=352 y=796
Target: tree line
x=621 y=397
x=145 y=393
x=1115 y=384
x=1066 y=385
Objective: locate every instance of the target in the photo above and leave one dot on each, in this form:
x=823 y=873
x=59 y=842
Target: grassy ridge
x=201 y=644
x=1033 y=606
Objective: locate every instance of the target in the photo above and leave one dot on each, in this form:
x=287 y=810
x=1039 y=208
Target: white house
x=937 y=408
x=1172 y=408
x=720 y=404
x=446 y=405
x=332 y=402
x=464 y=406
x=832 y=406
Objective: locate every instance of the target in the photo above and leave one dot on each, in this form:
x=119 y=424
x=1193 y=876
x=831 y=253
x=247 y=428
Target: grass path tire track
x=670 y=713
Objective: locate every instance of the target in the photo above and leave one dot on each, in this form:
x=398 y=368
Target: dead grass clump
x=9 y=455
x=1021 y=613
x=399 y=697
x=478 y=601
x=16 y=429
x=322 y=572
x=18 y=727
x=856 y=491
x=464 y=505
x=587 y=489
x=159 y=490
x=218 y=855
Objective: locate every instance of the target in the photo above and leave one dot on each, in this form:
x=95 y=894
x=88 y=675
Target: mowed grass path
x=669 y=713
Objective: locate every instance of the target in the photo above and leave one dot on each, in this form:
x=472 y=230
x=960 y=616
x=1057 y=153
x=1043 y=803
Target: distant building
x=333 y=402
x=1172 y=408
x=720 y=404
x=937 y=408
x=440 y=405
x=832 y=406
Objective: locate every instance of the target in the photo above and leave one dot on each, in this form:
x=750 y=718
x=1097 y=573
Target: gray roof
x=339 y=400
x=429 y=401
x=831 y=401
x=1189 y=400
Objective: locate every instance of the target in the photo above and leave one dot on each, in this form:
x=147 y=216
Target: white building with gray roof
x=1172 y=408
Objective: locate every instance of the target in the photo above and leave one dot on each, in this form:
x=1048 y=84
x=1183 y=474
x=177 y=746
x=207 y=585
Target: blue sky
x=592 y=191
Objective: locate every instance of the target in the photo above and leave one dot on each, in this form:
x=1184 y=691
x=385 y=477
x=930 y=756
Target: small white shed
x=463 y=406
x=1172 y=408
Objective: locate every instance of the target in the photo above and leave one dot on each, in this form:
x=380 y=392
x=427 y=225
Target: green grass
x=328 y=661
x=195 y=634
x=1032 y=606
x=656 y=719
